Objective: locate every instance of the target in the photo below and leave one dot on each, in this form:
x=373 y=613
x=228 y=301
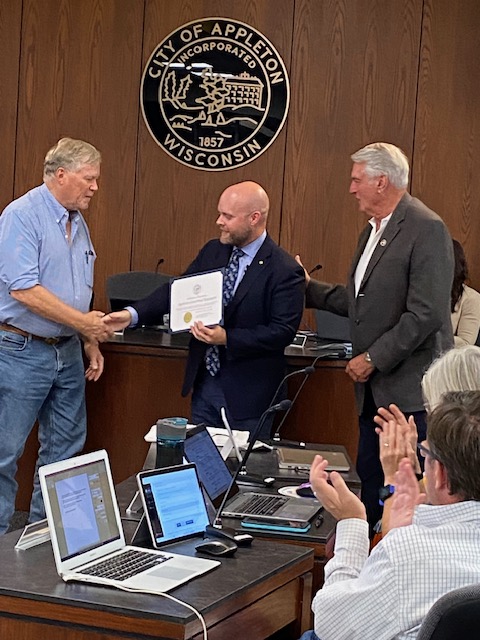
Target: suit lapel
x=362 y=241
x=393 y=227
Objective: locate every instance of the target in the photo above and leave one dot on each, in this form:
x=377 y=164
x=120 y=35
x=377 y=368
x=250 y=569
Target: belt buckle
x=51 y=341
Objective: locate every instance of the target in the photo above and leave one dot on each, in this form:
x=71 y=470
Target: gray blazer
x=401 y=315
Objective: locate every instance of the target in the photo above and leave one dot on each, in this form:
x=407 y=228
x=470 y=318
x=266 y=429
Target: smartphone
x=275 y=525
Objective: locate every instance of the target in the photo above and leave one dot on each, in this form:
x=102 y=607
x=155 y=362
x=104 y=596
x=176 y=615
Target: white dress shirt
x=386 y=595
x=369 y=249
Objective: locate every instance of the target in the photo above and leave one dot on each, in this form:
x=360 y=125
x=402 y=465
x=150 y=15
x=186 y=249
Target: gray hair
x=384 y=159
x=454 y=440
x=70 y=155
x=456 y=370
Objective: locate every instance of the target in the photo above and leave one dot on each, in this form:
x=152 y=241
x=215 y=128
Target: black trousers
x=369 y=467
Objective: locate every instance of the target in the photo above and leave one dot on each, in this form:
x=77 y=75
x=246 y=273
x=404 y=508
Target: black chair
x=130 y=286
x=454 y=615
x=331 y=326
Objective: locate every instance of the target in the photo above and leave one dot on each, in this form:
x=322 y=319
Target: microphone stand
x=308 y=371
x=216 y=529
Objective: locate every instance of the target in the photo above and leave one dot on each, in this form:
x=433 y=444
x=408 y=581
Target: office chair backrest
x=331 y=326
x=454 y=615
x=130 y=286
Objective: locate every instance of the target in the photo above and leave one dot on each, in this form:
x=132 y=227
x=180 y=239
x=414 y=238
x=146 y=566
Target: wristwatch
x=367 y=357
x=385 y=492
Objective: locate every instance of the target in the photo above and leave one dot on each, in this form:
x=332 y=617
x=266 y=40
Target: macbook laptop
x=87 y=535
x=216 y=478
x=173 y=503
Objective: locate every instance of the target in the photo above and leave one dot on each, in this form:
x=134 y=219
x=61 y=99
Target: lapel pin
x=383 y=242
x=260 y=262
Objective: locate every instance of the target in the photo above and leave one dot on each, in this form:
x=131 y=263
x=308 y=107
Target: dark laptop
x=216 y=478
x=331 y=326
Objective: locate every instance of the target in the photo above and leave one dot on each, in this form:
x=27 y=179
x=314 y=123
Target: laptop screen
x=174 y=504
x=82 y=508
x=212 y=470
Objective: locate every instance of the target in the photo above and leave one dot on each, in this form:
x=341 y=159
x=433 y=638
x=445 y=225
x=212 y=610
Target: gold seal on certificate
x=196 y=298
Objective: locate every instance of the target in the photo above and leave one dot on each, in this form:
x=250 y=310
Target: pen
x=88 y=253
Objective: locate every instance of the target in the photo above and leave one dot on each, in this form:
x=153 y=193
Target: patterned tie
x=212 y=356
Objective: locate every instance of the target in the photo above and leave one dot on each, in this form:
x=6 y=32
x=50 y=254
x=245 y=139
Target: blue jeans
x=44 y=382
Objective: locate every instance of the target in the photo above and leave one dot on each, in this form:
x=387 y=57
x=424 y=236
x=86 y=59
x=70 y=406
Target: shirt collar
x=429 y=515
x=58 y=209
x=252 y=248
x=383 y=222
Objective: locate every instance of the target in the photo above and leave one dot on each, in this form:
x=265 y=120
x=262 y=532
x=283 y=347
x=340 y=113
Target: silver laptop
x=87 y=535
x=301 y=459
x=216 y=478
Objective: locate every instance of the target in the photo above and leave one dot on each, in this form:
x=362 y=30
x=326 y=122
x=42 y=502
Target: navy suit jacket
x=401 y=314
x=260 y=321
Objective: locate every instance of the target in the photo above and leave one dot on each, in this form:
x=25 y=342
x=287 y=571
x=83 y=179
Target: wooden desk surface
x=264 y=588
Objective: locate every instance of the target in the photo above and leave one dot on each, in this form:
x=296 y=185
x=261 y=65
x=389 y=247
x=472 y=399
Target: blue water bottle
x=171 y=434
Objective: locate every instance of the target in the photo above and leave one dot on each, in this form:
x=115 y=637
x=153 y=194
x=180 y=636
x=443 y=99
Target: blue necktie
x=212 y=357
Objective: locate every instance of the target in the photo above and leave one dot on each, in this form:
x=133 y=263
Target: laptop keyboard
x=125 y=565
x=262 y=505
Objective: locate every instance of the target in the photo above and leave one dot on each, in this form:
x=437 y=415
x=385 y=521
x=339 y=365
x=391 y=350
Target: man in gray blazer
x=397 y=298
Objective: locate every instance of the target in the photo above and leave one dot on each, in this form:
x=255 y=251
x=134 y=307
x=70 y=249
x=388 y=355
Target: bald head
x=242 y=213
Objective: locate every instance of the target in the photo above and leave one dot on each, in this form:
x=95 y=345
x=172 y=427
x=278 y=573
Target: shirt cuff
x=134 y=315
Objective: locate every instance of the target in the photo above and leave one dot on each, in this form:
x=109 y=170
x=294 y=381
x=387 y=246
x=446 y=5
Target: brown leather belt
x=25 y=334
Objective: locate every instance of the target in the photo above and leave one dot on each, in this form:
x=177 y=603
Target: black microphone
x=316 y=268
x=160 y=261
x=214 y=529
x=285 y=378
x=307 y=371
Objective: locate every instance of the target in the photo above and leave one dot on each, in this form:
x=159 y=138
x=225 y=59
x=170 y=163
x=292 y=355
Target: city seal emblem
x=215 y=94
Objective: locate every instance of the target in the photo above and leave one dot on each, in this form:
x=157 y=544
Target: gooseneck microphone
x=160 y=262
x=284 y=405
x=306 y=370
x=316 y=268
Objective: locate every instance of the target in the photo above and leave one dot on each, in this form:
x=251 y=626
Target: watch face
x=386 y=491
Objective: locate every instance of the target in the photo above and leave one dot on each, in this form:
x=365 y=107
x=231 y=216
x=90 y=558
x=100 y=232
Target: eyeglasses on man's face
x=425 y=451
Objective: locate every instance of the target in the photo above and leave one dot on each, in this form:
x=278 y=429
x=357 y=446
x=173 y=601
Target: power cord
x=169 y=597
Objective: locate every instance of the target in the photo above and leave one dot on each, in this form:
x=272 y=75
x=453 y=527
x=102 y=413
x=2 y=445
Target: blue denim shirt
x=34 y=250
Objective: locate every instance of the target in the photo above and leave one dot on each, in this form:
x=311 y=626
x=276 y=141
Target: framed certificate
x=196 y=297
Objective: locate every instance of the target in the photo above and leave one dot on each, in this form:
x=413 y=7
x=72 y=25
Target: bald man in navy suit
x=260 y=320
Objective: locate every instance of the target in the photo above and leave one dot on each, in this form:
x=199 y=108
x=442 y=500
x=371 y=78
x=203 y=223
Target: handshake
x=99 y=326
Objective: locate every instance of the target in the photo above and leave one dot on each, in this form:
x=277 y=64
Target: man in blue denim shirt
x=46 y=282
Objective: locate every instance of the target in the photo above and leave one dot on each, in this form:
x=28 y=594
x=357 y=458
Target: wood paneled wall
x=405 y=71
